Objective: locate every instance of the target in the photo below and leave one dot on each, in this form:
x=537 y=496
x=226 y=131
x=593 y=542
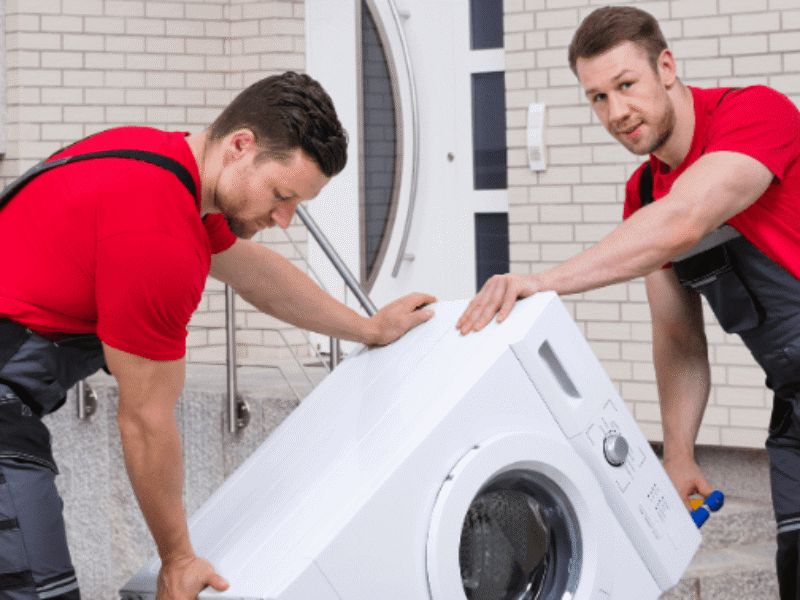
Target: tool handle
x=711 y=504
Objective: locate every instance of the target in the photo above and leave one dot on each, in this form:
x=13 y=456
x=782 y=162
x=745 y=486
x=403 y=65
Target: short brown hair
x=286 y=112
x=611 y=25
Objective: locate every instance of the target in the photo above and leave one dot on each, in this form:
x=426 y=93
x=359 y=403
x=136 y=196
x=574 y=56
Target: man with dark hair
x=725 y=176
x=108 y=245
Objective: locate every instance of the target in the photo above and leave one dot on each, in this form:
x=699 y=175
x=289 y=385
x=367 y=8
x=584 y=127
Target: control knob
x=615 y=449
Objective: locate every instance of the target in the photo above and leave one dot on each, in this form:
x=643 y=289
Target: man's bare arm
x=275 y=286
x=148 y=391
x=680 y=357
x=715 y=188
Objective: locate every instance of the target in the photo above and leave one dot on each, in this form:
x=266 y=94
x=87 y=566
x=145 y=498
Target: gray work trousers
x=35 y=375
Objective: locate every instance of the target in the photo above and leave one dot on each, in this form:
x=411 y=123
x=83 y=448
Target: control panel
x=587 y=407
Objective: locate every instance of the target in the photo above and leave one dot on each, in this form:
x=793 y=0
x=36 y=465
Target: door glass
x=489 y=130
x=520 y=541
x=491 y=246
x=486 y=18
x=380 y=139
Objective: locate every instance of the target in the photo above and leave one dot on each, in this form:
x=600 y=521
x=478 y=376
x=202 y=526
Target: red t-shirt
x=761 y=123
x=110 y=246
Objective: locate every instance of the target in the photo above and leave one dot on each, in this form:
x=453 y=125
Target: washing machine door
x=510 y=523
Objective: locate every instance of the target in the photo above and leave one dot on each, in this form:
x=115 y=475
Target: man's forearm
x=153 y=459
x=299 y=301
x=683 y=376
x=638 y=246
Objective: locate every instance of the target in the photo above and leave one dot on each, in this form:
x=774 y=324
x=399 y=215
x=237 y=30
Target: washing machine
x=501 y=465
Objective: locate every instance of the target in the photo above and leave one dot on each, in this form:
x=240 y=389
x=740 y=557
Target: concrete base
x=737 y=557
x=108 y=537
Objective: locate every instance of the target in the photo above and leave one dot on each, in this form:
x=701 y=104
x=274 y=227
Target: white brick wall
x=578 y=199
x=75 y=67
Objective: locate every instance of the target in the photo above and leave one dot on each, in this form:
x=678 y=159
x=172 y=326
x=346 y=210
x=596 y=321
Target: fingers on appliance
x=501 y=465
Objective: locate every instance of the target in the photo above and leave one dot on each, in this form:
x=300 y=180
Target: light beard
x=664 y=130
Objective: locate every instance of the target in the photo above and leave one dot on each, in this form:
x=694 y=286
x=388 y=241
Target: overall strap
x=153 y=158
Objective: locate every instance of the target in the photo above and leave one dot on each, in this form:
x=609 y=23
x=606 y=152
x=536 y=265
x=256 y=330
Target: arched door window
x=378 y=147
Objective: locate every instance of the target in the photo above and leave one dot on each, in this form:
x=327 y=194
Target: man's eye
x=599 y=98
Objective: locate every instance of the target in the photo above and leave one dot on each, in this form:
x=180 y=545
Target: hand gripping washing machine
x=501 y=465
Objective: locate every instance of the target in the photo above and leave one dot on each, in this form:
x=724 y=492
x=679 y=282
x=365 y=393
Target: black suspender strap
x=153 y=158
x=646 y=185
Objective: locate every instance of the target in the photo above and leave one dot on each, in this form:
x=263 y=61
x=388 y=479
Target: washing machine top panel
x=345 y=436
x=313 y=478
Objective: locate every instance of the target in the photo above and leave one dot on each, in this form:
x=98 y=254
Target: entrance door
x=418 y=103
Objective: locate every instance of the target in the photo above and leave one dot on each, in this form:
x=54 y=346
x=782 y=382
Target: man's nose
x=284 y=213
x=617 y=108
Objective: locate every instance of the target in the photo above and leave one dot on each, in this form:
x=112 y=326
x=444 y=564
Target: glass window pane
x=486 y=17
x=491 y=246
x=489 y=131
x=380 y=135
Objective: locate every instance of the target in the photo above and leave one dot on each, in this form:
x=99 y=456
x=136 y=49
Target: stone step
x=739 y=523
x=736 y=558
x=730 y=573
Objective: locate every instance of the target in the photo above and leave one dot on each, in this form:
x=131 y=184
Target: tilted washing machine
x=501 y=465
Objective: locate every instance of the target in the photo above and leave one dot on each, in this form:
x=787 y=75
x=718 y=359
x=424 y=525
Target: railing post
x=86 y=400
x=238 y=411
x=334 y=353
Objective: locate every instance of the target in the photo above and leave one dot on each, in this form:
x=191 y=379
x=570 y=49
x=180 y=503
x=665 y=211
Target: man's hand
x=688 y=479
x=497 y=296
x=396 y=318
x=184 y=578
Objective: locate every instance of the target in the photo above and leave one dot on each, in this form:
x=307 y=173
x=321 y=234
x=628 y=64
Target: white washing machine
x=502 y=465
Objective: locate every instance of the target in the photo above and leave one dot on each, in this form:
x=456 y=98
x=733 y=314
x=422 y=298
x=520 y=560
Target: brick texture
x=80 y=66
x=572 y=204
x=76 y=67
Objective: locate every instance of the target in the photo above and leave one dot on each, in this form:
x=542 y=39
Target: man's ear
x=667 y=69
x=239 y=143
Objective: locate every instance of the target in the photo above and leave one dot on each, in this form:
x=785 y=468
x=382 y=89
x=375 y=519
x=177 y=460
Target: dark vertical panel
x=380 y=138
x=486 y=19
x=491 y=246
x=489 y=131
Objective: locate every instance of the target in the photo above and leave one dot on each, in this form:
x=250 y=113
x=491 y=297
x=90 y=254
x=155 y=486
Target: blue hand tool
x=711 y=504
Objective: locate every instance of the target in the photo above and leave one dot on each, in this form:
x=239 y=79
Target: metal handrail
x=412 y=90
x=238 y=412
x=337 y=261
x=235 y=403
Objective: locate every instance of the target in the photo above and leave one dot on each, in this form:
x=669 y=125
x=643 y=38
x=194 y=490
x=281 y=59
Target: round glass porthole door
x=520 y=541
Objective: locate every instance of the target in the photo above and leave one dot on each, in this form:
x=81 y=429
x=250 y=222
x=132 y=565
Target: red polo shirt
x=761 y=123
x=110 y=246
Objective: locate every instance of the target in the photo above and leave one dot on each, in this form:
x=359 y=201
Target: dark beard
x=237 y=228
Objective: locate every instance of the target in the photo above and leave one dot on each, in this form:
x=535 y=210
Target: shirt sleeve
x=759 y=122
x=147 y=286
x=219 y=234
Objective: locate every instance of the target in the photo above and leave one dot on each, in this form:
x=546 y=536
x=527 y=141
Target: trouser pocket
x=23 y=435
x=34 y=559
x=15 y=572
x=41 y=371
x=711 y=273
